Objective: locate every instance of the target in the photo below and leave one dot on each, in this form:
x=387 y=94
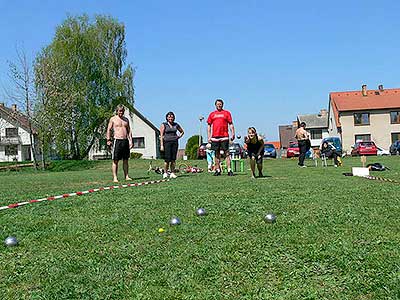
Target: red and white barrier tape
x=381 y=179
x=51 y=198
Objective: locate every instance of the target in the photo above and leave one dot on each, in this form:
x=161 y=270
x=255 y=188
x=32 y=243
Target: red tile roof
x=355 y=101
x=17 y=117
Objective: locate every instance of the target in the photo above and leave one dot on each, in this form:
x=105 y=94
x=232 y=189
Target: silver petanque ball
x=239 y=136
x=270 y=218
x=201 y=211
x=11 y=241
x=175 y=221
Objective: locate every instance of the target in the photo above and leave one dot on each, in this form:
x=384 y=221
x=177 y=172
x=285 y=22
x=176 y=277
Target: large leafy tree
x=80 y=78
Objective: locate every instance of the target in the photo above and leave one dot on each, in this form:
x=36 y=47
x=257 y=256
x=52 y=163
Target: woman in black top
x=255 y=150
x=169 y=143
x=329 y=152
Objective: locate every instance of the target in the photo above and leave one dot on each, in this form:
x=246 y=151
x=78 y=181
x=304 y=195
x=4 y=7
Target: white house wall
x=380 y=129
x=142 y=129
x=23 y=137
x=332 y=128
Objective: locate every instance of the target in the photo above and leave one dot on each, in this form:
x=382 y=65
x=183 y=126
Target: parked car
x=382 y=152
x=395 y=148
x=293 y=150
x=335 y=142
x=364 y=148
x=269 y=150
x=201 y=152
x=236 y=150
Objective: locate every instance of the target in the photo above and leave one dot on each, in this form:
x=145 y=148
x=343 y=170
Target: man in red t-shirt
x=218 y=135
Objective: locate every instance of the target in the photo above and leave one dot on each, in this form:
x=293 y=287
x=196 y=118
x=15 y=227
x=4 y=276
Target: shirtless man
x=303 y=138
x=122 y=141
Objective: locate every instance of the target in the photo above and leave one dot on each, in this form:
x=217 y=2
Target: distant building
x=366 y=115
x=15 y=142
x=145 y=136
x=286 y=134
x=316 y=125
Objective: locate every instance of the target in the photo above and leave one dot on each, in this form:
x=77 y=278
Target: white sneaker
x=165 y=175
x=172 y=175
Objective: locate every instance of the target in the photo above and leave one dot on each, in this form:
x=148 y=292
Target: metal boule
x=270 y=218
x=175 y=221
x=11 y=241
x=201 y=211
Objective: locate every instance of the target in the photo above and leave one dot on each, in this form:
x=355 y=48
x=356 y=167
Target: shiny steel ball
x=239 y=136
x=270 y=218
x=201 y=211
x=11 y=241
x=175 y=221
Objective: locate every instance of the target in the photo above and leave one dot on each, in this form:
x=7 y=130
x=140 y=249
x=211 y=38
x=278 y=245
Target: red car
x=293 y=150
x=364 y=148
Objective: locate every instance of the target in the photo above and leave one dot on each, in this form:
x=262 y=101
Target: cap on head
x=302 y=124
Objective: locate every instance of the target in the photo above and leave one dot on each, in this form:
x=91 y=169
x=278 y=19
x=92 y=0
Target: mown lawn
x=336 y=237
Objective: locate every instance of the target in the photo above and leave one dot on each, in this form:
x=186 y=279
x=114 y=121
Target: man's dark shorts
x=217 y=146
x=121 y=150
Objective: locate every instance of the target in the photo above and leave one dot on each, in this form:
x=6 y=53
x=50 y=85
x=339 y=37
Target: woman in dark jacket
x=329 y=152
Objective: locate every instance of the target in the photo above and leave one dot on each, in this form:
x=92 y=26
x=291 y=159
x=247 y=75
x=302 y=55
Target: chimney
x=364 y=90
x=323 y=113
x=14 y=107
x=380 y=88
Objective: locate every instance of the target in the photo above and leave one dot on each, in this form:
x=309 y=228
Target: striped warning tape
x=380 y=179
x=51 y=198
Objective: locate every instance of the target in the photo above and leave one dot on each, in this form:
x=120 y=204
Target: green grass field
x=336 y=237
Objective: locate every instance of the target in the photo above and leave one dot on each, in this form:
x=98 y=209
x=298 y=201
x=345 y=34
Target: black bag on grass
x=377 y=167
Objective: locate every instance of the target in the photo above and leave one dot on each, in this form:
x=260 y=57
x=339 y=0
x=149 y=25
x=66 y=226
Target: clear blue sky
x=269 y=61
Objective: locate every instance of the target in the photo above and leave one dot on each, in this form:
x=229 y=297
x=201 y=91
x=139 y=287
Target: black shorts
x=121 y=150
x=254 y=154
x=170 y=151
x=217 y=146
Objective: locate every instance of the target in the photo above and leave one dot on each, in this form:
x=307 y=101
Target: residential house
x=15 y=142
x=145 y=136
x=365 y=115
x=316 y=125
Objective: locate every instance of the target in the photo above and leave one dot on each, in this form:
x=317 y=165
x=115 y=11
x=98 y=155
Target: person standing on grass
x=255 y=150
x=303 y=138
x=169 y=143
x=119 y=128
x=218 y=135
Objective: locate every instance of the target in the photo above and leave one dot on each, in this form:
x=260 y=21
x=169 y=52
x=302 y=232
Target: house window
x=11 y=132
x=11 y=150
x=395 y=136
x=138 y=142
x=361 y=119
x=362 y=138
x=316 y=134
x=395 y=117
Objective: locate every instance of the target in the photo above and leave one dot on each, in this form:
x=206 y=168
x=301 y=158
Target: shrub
x=192 y=146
